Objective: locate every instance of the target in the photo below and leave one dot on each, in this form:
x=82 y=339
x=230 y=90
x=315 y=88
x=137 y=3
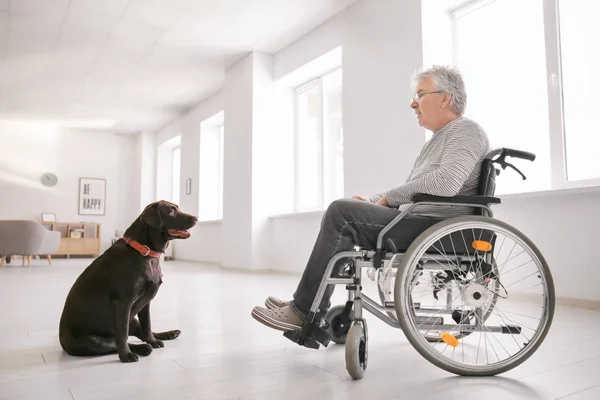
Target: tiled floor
x=224 y=354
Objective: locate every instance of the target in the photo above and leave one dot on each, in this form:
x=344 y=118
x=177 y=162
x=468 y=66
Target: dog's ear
x=152 y=216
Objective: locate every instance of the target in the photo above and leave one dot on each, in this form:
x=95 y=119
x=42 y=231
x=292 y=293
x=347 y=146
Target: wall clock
x=49 y=179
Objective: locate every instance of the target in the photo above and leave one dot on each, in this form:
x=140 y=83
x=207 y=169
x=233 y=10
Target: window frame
x=317 y=82
x=557 y=133
x=221 y=137
x=311 y=84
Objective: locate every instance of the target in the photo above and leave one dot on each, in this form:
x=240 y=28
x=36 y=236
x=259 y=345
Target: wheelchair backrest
x=487 y=178
x=487 y=181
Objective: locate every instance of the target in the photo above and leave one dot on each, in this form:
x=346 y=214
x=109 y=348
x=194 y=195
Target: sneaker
x=283 y=319
x=273 y=303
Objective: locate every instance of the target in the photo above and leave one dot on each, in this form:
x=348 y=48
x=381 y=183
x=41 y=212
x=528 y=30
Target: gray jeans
x=348 y=223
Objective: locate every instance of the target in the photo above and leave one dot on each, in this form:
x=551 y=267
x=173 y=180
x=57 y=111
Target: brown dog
x=101 y=308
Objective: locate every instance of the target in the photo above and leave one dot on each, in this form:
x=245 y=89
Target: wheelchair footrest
x=511 y=329
x=296 y=337
x=310 y=335
x=321 y=335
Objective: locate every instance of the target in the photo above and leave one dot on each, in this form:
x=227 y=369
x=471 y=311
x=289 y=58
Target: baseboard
x=261 y=271
x=593 y=305
x=203 y=262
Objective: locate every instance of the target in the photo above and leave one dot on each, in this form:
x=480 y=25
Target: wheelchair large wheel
x=506 y=276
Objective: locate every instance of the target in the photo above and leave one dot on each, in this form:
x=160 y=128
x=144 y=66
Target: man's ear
x=446 y=100
x=152 y=216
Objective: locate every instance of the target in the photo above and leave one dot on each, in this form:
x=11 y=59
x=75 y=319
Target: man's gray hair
x=447 y=79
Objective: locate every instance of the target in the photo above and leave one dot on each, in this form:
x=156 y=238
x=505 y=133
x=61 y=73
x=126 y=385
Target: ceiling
x=134 y=65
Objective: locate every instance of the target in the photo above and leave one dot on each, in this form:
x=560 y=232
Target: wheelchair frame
x=354 y=287
x=312 y=333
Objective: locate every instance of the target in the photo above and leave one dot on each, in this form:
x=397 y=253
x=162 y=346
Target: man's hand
x=383 y=201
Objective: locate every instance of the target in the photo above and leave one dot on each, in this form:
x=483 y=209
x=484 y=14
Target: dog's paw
x=156 y=344
x=128 y=357
x=169 y=335
x=141 y=349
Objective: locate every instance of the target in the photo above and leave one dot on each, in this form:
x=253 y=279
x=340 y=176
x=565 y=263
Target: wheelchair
x=448 y=291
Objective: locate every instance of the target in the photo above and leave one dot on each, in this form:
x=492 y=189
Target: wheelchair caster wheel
x=334 y=321
x=356 y=351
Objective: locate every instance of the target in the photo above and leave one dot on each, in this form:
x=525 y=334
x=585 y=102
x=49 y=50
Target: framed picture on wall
x=92 y=196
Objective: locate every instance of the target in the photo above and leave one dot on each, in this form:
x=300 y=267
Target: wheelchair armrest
x=475 y=200
x=483 y=200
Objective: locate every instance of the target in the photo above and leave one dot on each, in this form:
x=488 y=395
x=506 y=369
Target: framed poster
x=92 y=196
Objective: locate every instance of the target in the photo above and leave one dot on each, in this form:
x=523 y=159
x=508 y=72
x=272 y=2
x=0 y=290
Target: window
x=505 y=70
x=176 y=174
x=211 y=169
x=580 y=61
x=319 y=160
x=169 y=170
x=510 y=53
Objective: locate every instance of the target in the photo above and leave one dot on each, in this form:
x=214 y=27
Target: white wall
x=145 y=171
x=27 y=153
x=272 y=156
x=564 y=226
x=205 y=243
x=237 y=167
x=437 y=48
x=381 y=45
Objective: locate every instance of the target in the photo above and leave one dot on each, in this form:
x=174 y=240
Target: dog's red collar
x=142 y=249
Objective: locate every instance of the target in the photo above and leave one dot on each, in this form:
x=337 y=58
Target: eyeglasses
x=418 y=96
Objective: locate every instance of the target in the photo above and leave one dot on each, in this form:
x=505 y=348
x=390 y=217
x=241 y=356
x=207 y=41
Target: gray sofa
x=26 y=239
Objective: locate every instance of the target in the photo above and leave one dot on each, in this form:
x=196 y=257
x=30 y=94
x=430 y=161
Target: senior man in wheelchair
x=449 y=164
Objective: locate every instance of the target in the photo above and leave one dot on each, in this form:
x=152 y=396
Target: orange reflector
x=449 y=339
x=482 y=245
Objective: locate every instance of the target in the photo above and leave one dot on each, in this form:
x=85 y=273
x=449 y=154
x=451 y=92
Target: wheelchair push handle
x=506 y=152
x=525 y=155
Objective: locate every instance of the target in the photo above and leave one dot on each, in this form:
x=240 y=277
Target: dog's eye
x=172 y=213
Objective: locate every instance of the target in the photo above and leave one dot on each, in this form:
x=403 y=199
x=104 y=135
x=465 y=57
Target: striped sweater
x=449 y=164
